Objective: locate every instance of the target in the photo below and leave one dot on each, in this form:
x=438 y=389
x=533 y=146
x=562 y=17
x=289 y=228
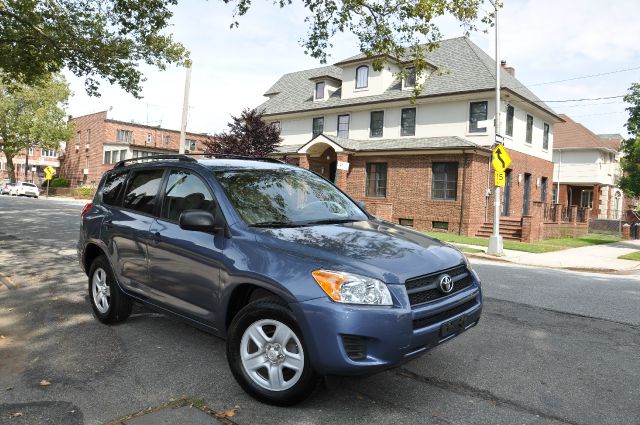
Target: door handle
x=156 y=237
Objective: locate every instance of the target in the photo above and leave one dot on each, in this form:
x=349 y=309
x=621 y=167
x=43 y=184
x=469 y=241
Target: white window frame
x=478 y=133
x=366 y=86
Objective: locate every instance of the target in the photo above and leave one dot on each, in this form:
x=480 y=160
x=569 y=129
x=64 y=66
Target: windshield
x=286 y=197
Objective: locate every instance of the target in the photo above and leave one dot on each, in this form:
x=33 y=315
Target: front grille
x=440 y=317
x=426 y=288
x=355 y=346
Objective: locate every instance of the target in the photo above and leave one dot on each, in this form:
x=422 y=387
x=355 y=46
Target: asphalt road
x=553 y=347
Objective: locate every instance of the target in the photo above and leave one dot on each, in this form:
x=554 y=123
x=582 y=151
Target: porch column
x=304 y=161
x=341 y=175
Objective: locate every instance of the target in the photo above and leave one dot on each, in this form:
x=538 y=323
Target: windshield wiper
x=331 y=221
x=275 y=224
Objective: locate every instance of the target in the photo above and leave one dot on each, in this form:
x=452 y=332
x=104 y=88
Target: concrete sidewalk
x=600 y=258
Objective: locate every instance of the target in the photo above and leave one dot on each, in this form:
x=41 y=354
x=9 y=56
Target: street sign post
x=49 y=172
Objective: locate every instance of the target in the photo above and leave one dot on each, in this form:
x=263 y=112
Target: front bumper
x=392 y=335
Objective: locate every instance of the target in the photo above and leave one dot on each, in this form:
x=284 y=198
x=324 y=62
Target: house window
x=444 y=183
x=318 y=126
x=545 y=137
x=377 y=123
x=167 y=140
x=410 y=80
x=510 y=112
x=343 y=126
x=124 y=136
x=107 y=157
x=276 y=125
x=362 y=77
x=554 y=196
x=529 y=138
x=408 y=122
x=88 y=136
x=376 y=179
x=149 y=138
x=477 y=113
x=586 y=199
x=30 y=151
x=320 y=90
x=190 y=145
x=406 y=222
x=440 y=225
x=123 y=155
x=543 y=189
x=48 y=152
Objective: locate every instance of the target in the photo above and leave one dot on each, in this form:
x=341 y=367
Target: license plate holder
x=453 y=326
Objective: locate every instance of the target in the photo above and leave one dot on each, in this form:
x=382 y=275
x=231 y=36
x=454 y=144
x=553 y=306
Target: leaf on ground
x=15 y=414
x=2 y=337
x=8 y=388
x=229 y=413
x=44 y=383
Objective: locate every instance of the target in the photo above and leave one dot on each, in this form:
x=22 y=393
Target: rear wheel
x=267 y=354
x=109 y=303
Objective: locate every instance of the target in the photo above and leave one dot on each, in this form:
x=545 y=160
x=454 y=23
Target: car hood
x=386 y=251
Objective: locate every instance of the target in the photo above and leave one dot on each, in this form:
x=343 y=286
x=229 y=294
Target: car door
x=184 y=265
x=126 y=229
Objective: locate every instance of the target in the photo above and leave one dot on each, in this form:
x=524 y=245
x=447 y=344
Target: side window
x=185 y=191
x=112 y=187
x=142 y=190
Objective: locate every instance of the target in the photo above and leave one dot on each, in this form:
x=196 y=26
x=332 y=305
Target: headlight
x=351 y=288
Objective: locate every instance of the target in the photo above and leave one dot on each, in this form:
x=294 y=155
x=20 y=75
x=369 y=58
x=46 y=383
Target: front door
x=527 y=194
x=506 y=199
x=184 y=265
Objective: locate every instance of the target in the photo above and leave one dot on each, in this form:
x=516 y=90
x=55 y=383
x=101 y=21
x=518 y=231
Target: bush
x=58 y=181
x=84 y=192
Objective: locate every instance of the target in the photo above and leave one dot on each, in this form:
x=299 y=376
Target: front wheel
x=267 y=354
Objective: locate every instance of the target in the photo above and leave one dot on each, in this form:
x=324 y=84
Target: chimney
x=511 y=70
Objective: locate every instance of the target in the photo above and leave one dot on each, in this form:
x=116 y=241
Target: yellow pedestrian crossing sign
x=500 y=159
x=49 y=172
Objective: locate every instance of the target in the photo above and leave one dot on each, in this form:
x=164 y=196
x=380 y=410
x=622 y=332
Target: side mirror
x=199 y=220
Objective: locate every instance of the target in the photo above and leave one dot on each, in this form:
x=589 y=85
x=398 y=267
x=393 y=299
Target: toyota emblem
x=446 y=284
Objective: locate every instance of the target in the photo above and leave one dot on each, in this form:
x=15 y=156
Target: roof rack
x=234 y=156
x=156 y=157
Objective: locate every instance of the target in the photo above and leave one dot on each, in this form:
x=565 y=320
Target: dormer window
x=410 y=79
x=320 y=90
x=362 y=77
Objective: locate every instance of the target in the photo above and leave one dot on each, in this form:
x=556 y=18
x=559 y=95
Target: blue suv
x=300 y=279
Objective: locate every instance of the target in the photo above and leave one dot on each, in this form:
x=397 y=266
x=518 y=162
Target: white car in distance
x=25 y=189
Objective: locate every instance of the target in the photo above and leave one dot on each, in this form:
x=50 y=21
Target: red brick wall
x=104 y=131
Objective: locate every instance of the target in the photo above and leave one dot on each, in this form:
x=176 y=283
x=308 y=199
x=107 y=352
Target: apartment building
x=34 y=160
x=99 y=142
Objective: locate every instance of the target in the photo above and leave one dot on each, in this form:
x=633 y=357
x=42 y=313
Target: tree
x=248 y=135
x=630 y=181
x=92 y=38
x=32 y=116
x=110 y=38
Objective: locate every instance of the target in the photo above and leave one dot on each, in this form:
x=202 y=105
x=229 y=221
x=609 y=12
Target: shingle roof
x=462 y=67
x=571 y=135
x=419 y=143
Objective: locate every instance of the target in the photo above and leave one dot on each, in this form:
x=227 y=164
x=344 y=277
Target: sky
x=545 y=40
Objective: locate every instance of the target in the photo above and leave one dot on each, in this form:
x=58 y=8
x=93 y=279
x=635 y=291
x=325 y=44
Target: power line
x=595 y=104
x=584 y=76
x=604 y=113
x=579 y=100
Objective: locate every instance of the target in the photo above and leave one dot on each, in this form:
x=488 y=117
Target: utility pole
x=185 y=109
x=495 y=241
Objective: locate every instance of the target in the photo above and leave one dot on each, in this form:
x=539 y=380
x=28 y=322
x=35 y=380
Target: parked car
x=25 y=189
x=300 y=280
x=6 y=188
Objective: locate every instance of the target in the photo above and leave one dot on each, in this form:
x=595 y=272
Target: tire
x=110 y=305
x=270 y=372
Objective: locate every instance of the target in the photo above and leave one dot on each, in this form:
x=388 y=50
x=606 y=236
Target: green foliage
x=248 y=135
x=402 y=30
x=84 y=192
x=58 y=181
x=32 y=115
x=630 y=181
x=91 y=38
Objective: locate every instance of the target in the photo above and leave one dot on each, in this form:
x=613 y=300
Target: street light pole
x=185 y=110
x=495 y=241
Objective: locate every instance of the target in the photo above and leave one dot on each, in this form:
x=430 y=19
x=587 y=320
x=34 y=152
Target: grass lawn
x=635 y=256
x=548 y=245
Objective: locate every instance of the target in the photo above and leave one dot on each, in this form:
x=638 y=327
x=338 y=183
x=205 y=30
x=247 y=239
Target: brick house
x=100 y=142
x=423 y=163
x=35 y=162
x=587 y=170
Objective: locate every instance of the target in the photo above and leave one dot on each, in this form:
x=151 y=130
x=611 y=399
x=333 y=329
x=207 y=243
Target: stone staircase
x=510 y=229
